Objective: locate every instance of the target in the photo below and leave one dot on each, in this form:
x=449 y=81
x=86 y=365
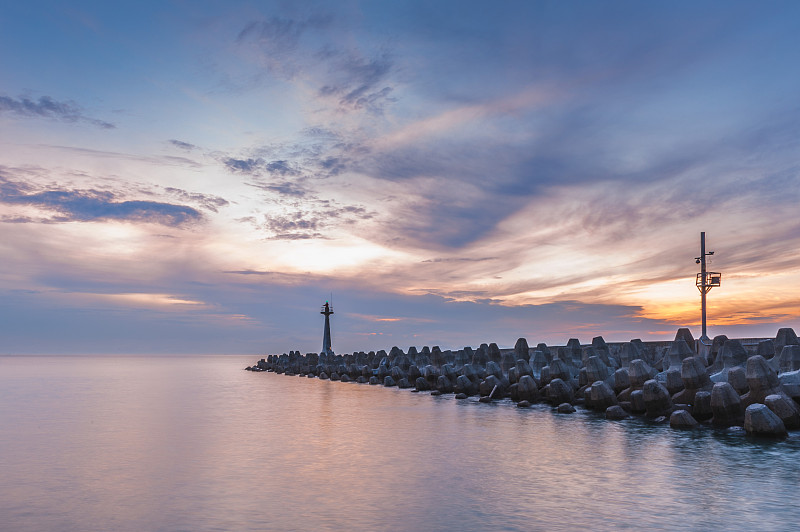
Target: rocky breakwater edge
x=685 y=383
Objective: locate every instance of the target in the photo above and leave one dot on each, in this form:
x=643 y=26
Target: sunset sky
x=199 y=177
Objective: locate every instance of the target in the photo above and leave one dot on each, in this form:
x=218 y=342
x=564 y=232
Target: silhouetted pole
x=327 y=310
x=705 y=280
x=703 y=290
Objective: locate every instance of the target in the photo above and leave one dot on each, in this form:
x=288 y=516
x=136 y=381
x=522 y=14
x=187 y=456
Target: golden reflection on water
x=134 y=443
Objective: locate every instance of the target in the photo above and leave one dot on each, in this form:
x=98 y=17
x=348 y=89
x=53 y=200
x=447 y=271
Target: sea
x=146 y=443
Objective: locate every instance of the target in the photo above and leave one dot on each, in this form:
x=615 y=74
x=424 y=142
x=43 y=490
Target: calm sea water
x=178 y=443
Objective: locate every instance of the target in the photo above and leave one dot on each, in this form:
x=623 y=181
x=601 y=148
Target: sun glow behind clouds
x=317 y=256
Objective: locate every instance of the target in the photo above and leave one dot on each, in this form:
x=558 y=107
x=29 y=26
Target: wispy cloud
x=47 y=107
x=304 y=50
x=207 y=201
x=182 y=145
x=278 y=40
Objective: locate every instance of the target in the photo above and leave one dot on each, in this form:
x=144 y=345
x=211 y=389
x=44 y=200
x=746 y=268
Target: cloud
x=182 y=145
x=47 y=107
x=296 y=226
x=310 y=220
x=208 y=201
x=246 y=166
x=283 y=188
x=359 y=82
x=90 y=205
x=460 y=259
x=306 y=51
x=282 y=168
x=278 y=40
x=256 y=166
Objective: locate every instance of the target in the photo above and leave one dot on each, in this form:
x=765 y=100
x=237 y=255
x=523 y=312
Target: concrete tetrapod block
x=449 y=371
x=637 y=402
x=559 y=392
x=701 y=407
x=521 y=368
x=726 y=406
x=695 y=379
x=761 y=379
x=527 y=389
x=481 y=356
x=430 y=372
x=657 y=400
x=398 y=373
x=548 y=355
x=716 y=347
x=766 y=348
x=733 y=355
x=596 y=369
x=677 y=352
x=544 y=376
x=786 y=336
x=521 y=350
x=444 y=385
x=686 y=335
x=786 y=409
x=494 y=353
x=507 y=362
x=575 y=351
x=681 y=419
x=600 y=396
x=497 y=388
x=639 y=372
x=565 y=408
x=621 y=380
x=616 y=413
x=759 y=420
x=673 y=382
x=537 y=362
x=466 y=386
x=473 y=372
x=790 y=382
x=789 y=359
x=738 y=379
x=413 y=373
x=628 y=353
x=493 y=368
x=561 y=370
x=583 y=380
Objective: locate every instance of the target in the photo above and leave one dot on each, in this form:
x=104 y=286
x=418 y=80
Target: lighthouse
x=327 y=310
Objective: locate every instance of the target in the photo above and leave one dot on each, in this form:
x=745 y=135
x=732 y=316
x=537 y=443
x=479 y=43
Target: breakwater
x=754 y=384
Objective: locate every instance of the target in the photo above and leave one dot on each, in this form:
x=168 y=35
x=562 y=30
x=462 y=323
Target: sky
x=200 y=177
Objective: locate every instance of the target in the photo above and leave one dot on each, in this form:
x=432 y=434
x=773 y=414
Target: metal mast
x=327 y=310
x=705 y=280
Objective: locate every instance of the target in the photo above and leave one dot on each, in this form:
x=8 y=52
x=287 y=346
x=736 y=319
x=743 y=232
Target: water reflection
x=132 y=443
